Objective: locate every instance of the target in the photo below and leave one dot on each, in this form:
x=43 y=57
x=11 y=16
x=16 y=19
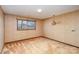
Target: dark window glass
x=26 y=24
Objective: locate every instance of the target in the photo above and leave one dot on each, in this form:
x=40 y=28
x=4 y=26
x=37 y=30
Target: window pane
x=19 y=24
x=24 y=25
x=31 y=25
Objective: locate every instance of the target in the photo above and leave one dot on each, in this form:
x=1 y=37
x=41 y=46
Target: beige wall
x=62 y=31
x=11 y=33
x=1 y=29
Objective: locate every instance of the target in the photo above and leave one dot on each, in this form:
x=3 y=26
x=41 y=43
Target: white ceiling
x=31 y=10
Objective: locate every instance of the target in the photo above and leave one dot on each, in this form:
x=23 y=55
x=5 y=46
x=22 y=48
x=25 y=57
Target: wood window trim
x=22 y=23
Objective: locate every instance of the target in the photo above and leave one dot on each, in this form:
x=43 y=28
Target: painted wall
x=12 y=34
x=1 y=29
x=66 y=30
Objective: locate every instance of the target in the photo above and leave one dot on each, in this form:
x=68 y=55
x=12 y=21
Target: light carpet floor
x=39 y=46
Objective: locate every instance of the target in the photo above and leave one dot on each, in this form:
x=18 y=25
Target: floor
x=39 y=46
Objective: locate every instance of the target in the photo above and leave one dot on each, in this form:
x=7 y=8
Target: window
x=26 y=24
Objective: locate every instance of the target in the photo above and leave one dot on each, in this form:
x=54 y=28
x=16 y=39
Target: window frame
x=22 y=24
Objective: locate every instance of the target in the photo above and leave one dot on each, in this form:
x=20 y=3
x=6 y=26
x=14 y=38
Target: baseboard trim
x=61 y=42
x=43 y=37
x=22 y=39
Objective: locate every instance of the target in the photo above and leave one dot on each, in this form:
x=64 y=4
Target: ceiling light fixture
x=39 y=10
